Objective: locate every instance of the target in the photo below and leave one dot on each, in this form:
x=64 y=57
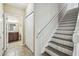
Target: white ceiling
x=18 y=5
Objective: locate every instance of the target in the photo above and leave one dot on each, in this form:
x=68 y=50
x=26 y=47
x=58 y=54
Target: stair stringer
x=47 y=43
x=50 y=39
x=52 y=33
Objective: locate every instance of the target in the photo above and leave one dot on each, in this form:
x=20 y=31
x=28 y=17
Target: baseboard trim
x=29 y=49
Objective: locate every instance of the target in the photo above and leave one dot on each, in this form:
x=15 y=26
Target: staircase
x=61 y=43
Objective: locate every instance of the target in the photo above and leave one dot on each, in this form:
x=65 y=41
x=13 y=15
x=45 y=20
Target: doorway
x=13 y=35
x=18 y=39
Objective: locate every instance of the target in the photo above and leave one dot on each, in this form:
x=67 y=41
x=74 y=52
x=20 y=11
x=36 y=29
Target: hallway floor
x=17 y=49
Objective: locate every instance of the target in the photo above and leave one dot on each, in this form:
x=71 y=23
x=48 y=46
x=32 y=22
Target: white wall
x=1 y=29
x=71 y=5
x=76 y=37
x=28 y=28
x=43 y=14
x=60 y=6
x=29 y=8
x=12 y=20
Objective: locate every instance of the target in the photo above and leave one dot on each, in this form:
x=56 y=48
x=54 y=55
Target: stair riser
x=65 y=32
x=66 y=51
x=75 y=13
x=69 y=22
x=66 y=22
x=73 y=17
x=66 y=27
x=71 y=13
x=50 y=52
x=45 y=54
x=63 y=42
x=63 y=36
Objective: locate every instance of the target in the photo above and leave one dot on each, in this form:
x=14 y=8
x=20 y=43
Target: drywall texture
x=60 y=6
x=43 y=14
x=76 y=38
x=28 y=27
x=71 y=5
x=1 y=28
